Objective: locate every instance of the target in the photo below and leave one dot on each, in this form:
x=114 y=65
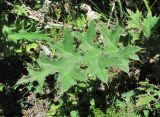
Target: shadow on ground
x=10 y=71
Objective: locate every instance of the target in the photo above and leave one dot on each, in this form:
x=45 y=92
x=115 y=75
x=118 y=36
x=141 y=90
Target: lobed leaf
x=148 y=24
x=135 y=19
x=23 y=34
x=69 y=61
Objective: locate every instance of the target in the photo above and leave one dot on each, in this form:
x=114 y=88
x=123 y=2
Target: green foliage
x=1 y=87
x=74 y=114
x=149 y=95
x=135 y=19
x=53 y=109
x=80 y=21
x=84 y=59
x=20 y=10
x=138 y=24
x=23 y=34
x=70 y=61
x=143 y=99
x=37 y=74
x=148 y=24
x=124 y=54
x=96 y=111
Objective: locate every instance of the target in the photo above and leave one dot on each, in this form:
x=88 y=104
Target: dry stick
x=113 y=7
x=47 y=24
x=52 y=24
x=153 y=4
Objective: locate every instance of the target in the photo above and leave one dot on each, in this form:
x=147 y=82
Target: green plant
x=96 y=111
x=90 y=65
x=23 y=34
x=74 y=64
x=20 y=10
x=148 y=96
x=144 y=99
x=127 y=107
x=1 y=87
x=138 y=24
x=80 y=21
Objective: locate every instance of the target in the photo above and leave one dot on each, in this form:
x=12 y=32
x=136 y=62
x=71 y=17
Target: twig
x=39 y=16
x=113 y=7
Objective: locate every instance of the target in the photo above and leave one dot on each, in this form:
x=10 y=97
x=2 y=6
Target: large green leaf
x=70 y=61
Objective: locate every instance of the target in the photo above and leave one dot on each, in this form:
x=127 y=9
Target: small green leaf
x=6 y=30
x=148 y=24
x=74 y=114
x=134 y=35
x=20 y=10
x=145 y=100
x=1 y=87
x=146 y=113
x=53 y=109
x=135 y=19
